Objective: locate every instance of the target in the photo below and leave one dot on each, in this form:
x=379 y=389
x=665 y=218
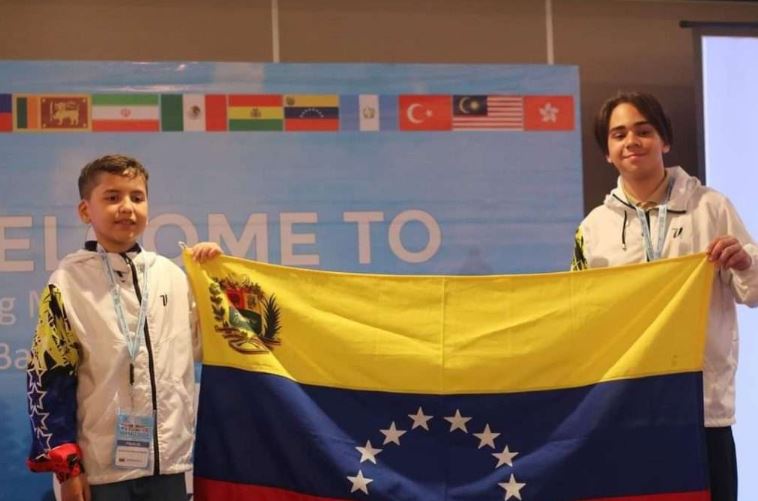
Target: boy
x=111 y=379
x=658 y=212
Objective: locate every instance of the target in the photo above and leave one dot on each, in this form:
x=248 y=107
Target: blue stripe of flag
x=606 y=440
x=349 y=113
x=5 y=103
x=388 y=113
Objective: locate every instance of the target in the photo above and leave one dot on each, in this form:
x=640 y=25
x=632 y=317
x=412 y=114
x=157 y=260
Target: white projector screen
x=730 y=165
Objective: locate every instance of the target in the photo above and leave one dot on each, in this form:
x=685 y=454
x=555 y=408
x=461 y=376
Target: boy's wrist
x=65 y=461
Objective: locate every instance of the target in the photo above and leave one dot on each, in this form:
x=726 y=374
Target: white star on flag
x=486 y=437
x=368 y=453
x=392 y=434
x=512 y=488
x=360 y=483
x=420 y=419
x=458 y=422
x=505 y=457
x=549 y=113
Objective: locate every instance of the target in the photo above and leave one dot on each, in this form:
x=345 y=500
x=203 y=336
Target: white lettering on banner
x=6 y=311
x=432 y=245
x=256 y=229
x=51 y=242
x=178 y=220
x=253 y=237
x=289 y=239
x=7 y=244
x=33 y=304
x=364 y=219
x=7 y=361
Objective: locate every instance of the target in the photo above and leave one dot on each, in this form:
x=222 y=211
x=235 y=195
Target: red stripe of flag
x=126 y=125
x=215 y=112
x=306 y=124
x=6 y=122
x=255 y=100
x=213 y=490
x=672 y=496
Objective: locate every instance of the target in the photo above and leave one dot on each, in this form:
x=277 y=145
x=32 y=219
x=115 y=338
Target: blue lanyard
x=654 y=253
x=133 y=340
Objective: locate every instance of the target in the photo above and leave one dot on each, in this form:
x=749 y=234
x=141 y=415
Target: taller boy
x=111 y=377
x=659 y=212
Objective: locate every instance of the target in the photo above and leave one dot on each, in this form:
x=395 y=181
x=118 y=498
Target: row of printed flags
x=281 y=112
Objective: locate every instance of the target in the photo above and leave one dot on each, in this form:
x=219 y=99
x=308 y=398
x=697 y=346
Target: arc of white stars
x=368 y=453
x=512 y=488
x=458 y=422
x=392 y=434
x=420 y=420
x=486 y=437
x=505 y=457
x=360 y=483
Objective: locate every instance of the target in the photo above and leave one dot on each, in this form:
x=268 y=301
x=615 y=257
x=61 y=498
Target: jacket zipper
x=151 y=367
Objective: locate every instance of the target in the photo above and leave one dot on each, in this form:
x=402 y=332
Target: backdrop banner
x=396 y=169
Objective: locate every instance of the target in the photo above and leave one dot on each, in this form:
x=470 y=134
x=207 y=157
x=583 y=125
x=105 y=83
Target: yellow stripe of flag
x=444 y=334
x=255 y=112
x=305 y=100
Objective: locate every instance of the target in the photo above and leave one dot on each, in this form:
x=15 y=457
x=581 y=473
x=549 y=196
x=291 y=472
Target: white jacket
x=611 y=235
x=164 y=367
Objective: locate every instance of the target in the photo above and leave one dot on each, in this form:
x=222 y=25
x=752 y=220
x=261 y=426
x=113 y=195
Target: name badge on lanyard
x=134 y=432
x=134 y=438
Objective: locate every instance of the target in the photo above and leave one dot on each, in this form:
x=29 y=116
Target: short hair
x=646 y=104
x=121 y=165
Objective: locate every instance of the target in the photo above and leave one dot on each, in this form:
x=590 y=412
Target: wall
x=631 y=44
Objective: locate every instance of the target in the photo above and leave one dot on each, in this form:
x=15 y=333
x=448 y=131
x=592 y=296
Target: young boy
x=111 y=378
x=658 y=212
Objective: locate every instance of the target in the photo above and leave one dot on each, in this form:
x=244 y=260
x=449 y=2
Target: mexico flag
x=193 y=112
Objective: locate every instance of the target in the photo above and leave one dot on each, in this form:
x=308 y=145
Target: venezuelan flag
x=567 y=386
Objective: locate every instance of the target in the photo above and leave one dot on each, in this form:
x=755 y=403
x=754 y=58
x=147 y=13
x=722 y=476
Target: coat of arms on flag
x=245 y=316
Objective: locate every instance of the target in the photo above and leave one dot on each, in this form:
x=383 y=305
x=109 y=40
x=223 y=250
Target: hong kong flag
x=548 y=113
x=422 y=112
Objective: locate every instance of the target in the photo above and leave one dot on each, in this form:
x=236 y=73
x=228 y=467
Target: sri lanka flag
x=553 y=387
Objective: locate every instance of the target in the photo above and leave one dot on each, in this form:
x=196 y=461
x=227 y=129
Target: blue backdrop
x=400 y=199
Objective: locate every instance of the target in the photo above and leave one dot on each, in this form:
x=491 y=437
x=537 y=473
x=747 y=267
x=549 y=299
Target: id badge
x=134 y=438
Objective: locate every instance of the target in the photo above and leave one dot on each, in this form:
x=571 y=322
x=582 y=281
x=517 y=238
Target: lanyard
x=654 y=253
x=133 y=340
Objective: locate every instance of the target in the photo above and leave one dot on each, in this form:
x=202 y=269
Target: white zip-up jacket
x=78 y=376
x=611 y=235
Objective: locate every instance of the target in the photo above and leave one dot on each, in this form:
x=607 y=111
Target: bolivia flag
x=251 y=112
x=125 y=113
x=564 y=386
x=6 y=113
x=311 y=113
x=193 y=112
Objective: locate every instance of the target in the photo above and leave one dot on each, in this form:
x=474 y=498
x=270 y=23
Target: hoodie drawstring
x=623 y=233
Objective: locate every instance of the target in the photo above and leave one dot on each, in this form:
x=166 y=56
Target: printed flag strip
x=311 y=113
x=126 y=112
x=327 y=386
x=488 y=113
x=290 y=113
x=262 y=112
